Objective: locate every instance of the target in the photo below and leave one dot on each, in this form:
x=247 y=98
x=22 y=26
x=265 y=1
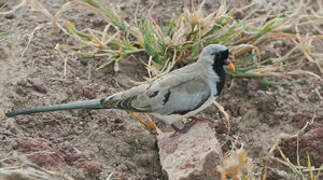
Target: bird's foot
x=199 y=118
x=184 y=129
x=188 y=125
x=149 y=124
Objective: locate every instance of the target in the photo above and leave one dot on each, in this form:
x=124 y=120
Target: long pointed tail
x=89 y=104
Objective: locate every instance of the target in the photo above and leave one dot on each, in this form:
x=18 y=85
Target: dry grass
x=181 y=40
x=237 y=165
x=184 y=36
x=303 y=172
x=31 y=172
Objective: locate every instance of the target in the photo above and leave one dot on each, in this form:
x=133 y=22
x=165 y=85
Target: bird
x=179 y=94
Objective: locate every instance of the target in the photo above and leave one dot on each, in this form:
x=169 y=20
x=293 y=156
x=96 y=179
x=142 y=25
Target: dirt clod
x=37 y=85
x=40 y=152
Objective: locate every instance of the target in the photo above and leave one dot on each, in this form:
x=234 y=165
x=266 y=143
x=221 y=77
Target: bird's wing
x=183 y=98
x=177 y=92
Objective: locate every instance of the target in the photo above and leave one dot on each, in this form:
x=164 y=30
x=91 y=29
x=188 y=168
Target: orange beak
x=228 y=62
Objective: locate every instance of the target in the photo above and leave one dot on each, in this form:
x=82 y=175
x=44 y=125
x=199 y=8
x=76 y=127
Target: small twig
x=226 y=115
x=21 y=4
x=297 y=150
x=31 y=35
x=110 y=176
x=57 y=48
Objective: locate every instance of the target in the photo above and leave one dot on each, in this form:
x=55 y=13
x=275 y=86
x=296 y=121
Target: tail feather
x=89 y=104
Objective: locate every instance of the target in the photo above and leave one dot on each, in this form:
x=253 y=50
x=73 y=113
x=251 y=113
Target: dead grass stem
x=185 y=35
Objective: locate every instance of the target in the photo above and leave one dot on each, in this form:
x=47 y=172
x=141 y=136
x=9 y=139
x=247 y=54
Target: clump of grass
x=184 y=36
x=237 y=164
x=303 y=172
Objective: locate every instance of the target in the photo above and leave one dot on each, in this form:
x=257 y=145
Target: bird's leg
x=149 y=124
x=188 y=125
x=184 y=129
x=199 y=118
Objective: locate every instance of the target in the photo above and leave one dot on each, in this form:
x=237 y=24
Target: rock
x=9 y=16
x=193 y=155
x=38 y=85
x=3 y=53
x=21 y=91
x=84 y=61
x=144 y=159
x=90 y=92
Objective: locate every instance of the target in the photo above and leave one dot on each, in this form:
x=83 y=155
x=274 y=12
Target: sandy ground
x=93 y=144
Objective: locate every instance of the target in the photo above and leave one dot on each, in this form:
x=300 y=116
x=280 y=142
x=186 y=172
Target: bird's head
x=216 y=55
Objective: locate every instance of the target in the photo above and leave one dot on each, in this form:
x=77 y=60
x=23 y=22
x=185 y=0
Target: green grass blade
x=271 y=26
x=171 y=26
x=224 y=20
x=72 y=30
x=128 y=46
x=318 y=173
x=309 y=165
x=280 y=83
x=296 y=171
x=84 y=54
x=94 y=4
x=115 y=20
x=149 y=41
x=214 y=28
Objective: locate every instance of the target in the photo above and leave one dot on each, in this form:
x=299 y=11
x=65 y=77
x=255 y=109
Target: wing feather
x=177 y=92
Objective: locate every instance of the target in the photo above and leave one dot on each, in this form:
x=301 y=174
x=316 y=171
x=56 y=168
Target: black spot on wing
x=154 y=94
x=166 y=97
x=111 y=97
x=102 y=100
x=126 y=104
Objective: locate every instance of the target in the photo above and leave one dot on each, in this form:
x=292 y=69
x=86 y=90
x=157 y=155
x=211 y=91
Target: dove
x=179 y=94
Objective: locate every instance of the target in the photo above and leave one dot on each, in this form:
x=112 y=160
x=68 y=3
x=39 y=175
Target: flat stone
x=193 y=155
